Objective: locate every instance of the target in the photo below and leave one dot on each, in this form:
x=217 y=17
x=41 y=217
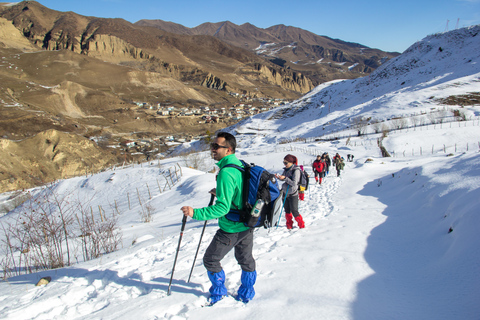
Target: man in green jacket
x=231 y=234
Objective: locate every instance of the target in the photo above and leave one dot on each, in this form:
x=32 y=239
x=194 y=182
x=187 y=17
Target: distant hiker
x=351 y=158
x=291 y=178
x=335 y=158
x=328 y=163
x=303 y=187
x=339 y=164
x=319 y=167
x=348 y=157
x=231 y=234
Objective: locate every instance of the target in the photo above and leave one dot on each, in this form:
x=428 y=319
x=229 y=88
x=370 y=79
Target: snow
x=391 y=238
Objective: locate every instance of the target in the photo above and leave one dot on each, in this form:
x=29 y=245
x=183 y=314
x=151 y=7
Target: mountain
x=183 y=58
x=319 y=57
x=101 y=66
x=412 y=87
x=103 y=80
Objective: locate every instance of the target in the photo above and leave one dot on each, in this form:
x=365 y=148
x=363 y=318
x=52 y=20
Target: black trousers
x=223 y=242
x=291 y=205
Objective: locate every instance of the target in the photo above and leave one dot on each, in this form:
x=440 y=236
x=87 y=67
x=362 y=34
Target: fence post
x=139 y=200
x=100 y=210
x=91 y=213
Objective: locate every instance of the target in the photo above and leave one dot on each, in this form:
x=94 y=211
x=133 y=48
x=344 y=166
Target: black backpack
x=258 y=184
x=304 y=177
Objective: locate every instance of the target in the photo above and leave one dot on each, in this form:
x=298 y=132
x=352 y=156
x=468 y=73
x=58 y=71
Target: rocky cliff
x=118 y=41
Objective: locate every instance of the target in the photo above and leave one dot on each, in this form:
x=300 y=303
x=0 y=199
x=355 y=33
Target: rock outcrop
x=214 y=82
x=294 y=81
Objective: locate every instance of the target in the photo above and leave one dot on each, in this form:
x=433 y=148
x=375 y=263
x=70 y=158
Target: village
x=148 y=147
x=247 y=107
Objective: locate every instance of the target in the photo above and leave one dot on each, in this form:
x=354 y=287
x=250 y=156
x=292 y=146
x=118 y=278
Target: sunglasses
x=285 y=162
x=216 y=146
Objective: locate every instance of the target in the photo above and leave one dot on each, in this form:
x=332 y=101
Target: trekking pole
x=184 y=222
x=199 y=242
x=280 y=216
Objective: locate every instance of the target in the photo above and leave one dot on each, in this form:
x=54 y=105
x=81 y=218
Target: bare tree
x=197 y=160
x=459 y=115
x=43 y=234
x=399 y=123
x=415 y=121
x=432 y=117
x=377 y=126
x=360 y=123
x=442 y=114
x=385 y=130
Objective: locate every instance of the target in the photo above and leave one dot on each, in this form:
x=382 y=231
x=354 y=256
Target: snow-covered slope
x=437 y=67
x=391 y=238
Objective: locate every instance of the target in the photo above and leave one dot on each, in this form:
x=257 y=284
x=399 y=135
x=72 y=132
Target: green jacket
x=229 y=190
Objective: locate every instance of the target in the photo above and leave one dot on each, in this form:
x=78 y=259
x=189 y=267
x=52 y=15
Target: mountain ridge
x=53 y=30
x=289 y=46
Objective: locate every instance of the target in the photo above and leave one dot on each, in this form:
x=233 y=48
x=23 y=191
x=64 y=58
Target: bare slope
x=48 y=156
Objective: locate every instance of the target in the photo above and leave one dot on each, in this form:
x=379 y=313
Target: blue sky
x=386 y=25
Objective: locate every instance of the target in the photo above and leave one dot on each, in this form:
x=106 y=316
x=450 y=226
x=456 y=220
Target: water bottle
x=255 y=213
x=257 y=208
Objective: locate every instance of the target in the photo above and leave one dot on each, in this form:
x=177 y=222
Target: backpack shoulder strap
x=231 y=165
x=299 y=169
x=234 y=166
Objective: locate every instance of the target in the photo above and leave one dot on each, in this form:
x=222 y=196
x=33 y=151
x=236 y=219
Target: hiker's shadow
x=100 y=279
x=181 y=286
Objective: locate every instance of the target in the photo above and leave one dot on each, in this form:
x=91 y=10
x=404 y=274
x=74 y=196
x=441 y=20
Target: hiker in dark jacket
x=336 y=158
x=291 y=176
x=231 y=234
x=339 y=163
x=328 y=162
